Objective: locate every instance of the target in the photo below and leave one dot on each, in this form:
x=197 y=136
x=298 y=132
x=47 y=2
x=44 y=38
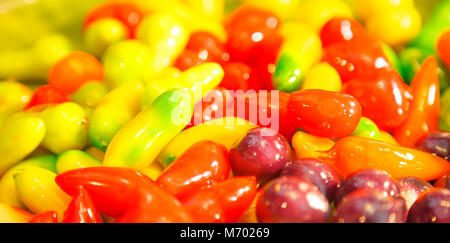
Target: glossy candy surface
x=292 y=200
x=203 y=164
x=260 y=153
x=431 y=207
x=368 y=180
x=324 y=113
x=225 y=111
x=366 y=206
x=411 y=188
x=317 y=173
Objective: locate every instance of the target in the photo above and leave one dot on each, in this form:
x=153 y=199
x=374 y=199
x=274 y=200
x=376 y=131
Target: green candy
x=288 y=77
x=367 y=128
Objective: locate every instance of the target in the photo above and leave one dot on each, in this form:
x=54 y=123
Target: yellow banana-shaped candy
x=8 y=192
x=18 y=139
x=38 y=190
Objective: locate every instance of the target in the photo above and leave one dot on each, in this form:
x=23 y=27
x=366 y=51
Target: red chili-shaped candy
x=150 y=204
x=81 y=209
x=110 y=188
x=384 y=99
x=204 y=163
x=324 y=113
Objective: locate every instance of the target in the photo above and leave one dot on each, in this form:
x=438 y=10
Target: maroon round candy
x=432 y=206
x=317 y=173
x=436 y=143
x=368 y=179
x=261 y=153
x=411 y=188
x=289 y=199
x=444 y=182
x=370 y=206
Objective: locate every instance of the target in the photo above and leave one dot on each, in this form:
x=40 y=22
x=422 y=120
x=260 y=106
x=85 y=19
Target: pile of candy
x=273 y=111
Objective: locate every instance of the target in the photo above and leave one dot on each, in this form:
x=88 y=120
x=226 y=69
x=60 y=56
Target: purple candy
x=436 y=143
x=431 y=207
x=292 y=200
x=315 y=172
x=261 y=154
x=370 y=180
x=411 y=188
x=370 y=206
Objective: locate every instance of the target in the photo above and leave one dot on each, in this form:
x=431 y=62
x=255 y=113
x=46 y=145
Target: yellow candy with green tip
x=317 y=13
x=90 y=94
x=224 y=131
x=113 y=112
x=18 y=139
x=138 y=144
x=202 y=77
x=39 y=192
x=67 y=127
x=75 y=159
x=8 y=192
x=323 y=76
x=166 y=35
x=297 y=55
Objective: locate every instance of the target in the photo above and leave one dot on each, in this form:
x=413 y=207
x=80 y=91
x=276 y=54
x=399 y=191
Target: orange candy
x=353 y=154
x=74 y=70
x=443 y=47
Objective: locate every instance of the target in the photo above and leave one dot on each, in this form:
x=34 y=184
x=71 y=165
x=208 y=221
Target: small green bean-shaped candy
x=367 y=128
